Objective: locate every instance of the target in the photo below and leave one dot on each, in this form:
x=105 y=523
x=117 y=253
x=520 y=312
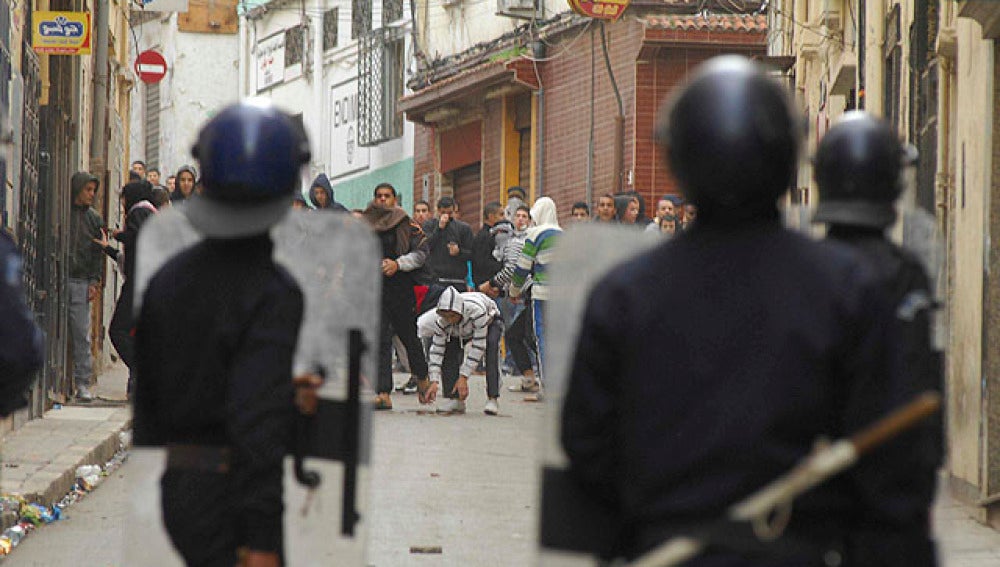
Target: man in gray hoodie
x=85 y=267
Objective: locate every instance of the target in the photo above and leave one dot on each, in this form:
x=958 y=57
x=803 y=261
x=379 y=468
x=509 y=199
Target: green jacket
x=85 y=256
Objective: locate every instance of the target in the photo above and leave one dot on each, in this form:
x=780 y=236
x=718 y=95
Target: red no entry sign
x=150 y=66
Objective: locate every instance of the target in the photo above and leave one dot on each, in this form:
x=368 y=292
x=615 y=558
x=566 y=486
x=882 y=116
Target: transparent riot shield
x=572 y=527
x=922 y=237
x=334 y=259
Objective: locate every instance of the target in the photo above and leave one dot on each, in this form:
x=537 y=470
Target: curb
x=49 y=486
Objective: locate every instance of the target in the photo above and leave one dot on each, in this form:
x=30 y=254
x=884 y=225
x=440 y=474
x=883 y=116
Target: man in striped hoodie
x=534 y=261
x=467 y=318
x=519 y=335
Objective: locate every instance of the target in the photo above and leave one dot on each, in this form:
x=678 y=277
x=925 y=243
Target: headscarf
x=136 y=191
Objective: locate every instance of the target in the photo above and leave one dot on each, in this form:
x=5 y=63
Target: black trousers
x=398 y=318
x=197 y=513
x=120 y=331
x=520 y=339
x=454 y=355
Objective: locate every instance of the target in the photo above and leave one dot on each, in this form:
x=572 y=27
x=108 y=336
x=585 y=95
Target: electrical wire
x=809 y=28
x=318 y=12
x=565 y=49
x=131 y=27
x=611 y=73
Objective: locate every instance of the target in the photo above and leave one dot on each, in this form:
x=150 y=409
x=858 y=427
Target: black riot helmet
x=859 y=171
x=732 y=137
x=251 y=154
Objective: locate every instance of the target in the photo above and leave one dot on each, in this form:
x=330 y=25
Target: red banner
x=600 y=9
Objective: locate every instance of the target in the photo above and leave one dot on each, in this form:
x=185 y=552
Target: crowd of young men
x=469 y=296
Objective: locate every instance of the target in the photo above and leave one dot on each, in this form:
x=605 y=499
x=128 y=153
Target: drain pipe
x=619 y=119
x=538 y=52
x=98 y=136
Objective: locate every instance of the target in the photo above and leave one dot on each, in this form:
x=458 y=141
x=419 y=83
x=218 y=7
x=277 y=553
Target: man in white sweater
x=469 y=319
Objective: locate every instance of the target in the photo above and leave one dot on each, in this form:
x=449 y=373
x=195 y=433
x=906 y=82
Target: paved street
x=461 y=483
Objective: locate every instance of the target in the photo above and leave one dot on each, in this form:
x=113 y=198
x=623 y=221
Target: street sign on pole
x=150 y=66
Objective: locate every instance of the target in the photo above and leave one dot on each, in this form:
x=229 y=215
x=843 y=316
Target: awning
x=447 y=98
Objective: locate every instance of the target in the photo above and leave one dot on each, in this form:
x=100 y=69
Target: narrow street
x=465 y=484
x=462 y=483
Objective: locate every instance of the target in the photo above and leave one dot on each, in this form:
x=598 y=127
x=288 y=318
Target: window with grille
x=361 y=18
x=330 y=21
x=380 y=84
x=893 y=68
x=392 y=11
x=295 y=39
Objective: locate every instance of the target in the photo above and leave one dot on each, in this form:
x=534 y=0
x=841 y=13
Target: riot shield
x=334 y=260
x=573 y=527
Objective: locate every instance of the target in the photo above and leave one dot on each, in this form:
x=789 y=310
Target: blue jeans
x=538 y=306
x=79 y=332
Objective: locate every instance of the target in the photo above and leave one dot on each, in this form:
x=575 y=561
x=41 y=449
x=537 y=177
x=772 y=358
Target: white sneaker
x=83 y=394
x=451 y=405
x=492 y=407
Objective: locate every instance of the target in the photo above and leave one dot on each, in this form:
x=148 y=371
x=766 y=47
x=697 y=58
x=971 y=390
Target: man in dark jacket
x=450 y=242
x=214 y=382
x=859 y=170
x=321 y=195
x=21 y=352
x=484 y=265
x=779 y=341
x=85 y=271
x=404 y=251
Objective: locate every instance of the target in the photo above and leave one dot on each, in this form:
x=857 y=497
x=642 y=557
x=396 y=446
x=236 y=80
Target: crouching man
x=469 y=318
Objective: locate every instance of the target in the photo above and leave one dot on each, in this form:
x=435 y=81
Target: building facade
x=200 y=47
x=52 y=101
x=928 y=67
x=340 y=67
x=564 y=106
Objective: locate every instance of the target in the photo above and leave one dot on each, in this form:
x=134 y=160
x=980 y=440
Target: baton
x=822 y=464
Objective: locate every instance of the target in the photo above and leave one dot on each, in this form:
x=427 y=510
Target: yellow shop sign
x=61 y=33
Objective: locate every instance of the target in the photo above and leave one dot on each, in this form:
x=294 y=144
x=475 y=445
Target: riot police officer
x=215 y=339
x=775 y=340
x=859 y=170
x=20 y=339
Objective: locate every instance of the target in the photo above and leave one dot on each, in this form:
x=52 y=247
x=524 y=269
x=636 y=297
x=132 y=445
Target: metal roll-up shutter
x=524 y=159
x=467 y=182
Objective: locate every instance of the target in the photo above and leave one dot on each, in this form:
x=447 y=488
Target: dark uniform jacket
x=917 y=364
x=21 y=353
x=771 y=341
x=217 y=370
x=442 y=264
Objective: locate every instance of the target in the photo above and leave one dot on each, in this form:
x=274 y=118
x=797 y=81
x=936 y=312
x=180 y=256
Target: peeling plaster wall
x=972 y=177
x=453 y=26
x=202 y=77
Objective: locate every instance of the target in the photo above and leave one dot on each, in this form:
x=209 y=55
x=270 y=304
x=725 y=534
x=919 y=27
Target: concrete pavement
x=40 y=459
x=465 y=484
